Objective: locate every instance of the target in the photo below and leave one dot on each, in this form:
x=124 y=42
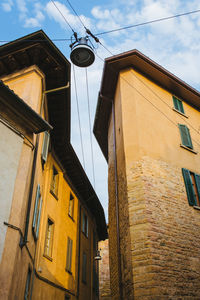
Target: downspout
x=117 y=203
x=79 y=250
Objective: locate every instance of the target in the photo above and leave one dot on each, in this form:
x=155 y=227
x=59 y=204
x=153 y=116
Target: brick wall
x=164 y=231
x=104 y=272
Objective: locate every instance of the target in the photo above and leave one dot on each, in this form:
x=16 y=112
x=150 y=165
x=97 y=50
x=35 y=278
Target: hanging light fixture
x=98 y=256
x=82 y=54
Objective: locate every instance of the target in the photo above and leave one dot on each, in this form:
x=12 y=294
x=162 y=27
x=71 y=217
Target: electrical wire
x=148 y=22
x=79 y=121
x=90 y=127
x=76 y=14
x=63 y=16
x=181 y=117
x=111 y=68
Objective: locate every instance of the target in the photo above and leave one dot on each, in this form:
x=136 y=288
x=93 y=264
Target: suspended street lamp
x=82 y=55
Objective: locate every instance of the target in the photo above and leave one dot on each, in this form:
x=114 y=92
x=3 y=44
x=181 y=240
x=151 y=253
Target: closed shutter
x=185 y=136
x=197 y=180
x=178 y=104
x=45 y=146
x=189 y=187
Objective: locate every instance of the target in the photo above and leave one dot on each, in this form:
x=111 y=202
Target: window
x=85 y=224
x=185 y=136
x=94 y=241
x=69 y=255
x=95 y=280
x=37 y=212
x=45 y=146
x=192 y=185
x=54 y=182
x=49 y=239
x=178 y=105
x=27 y=287
x=84 y=268
x=71 y=206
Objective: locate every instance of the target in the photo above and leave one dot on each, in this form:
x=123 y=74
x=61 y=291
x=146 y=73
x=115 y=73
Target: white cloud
x=7 y=5
x=61 y=14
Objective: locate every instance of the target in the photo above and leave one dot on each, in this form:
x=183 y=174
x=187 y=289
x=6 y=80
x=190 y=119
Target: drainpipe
x=79 y=250
x=117 y=203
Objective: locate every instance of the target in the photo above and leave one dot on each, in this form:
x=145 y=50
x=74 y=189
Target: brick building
x=147 y=125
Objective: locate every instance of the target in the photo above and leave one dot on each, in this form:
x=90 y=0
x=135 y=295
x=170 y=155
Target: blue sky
x=175 y=44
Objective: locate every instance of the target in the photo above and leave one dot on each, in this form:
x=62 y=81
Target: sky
x=174 y=44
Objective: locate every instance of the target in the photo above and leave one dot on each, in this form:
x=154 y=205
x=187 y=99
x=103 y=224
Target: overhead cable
x=148 y=22
x=79 y=121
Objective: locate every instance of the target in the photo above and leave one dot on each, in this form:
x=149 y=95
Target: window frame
x=54 y=182
x=69 y=252
x=185 y=136
x=49 y=254
x=37 y=213
x=84 y=267
x=178 y=105
x=192 y=186
x=85 y=224
x=45 y=146
x=71 y=206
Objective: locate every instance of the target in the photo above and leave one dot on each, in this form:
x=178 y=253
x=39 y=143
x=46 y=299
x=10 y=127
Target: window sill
x=196 y=207
x=55 y=196
x=85 y=234
x=68 y=271
x=189 y=149
x=71 y=218
x=179 y=112
x=48 y=257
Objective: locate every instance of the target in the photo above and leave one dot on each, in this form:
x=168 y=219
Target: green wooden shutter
x=185 y=136
x=178 y=104
x=45 y=146
x=36 y=206
x=38 y=220
x=189 y=187
x=175 y=103
x=197 y=179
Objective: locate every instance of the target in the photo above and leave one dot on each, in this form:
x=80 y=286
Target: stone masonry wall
x=165 y=240
x=104 y=272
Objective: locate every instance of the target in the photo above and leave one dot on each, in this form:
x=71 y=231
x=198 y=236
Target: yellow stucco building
x=147 y=125
x=55 y=220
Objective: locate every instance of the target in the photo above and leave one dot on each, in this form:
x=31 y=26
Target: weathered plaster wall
x=10 y=149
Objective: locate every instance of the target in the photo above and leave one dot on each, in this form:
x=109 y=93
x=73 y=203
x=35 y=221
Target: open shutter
x=38 y=220
x=189 y=187
x=45 y=146
x=185 y=136
x=36 y=206
x=197 y=179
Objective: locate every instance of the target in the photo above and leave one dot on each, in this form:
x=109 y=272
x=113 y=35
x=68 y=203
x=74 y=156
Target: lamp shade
x=82 y=54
